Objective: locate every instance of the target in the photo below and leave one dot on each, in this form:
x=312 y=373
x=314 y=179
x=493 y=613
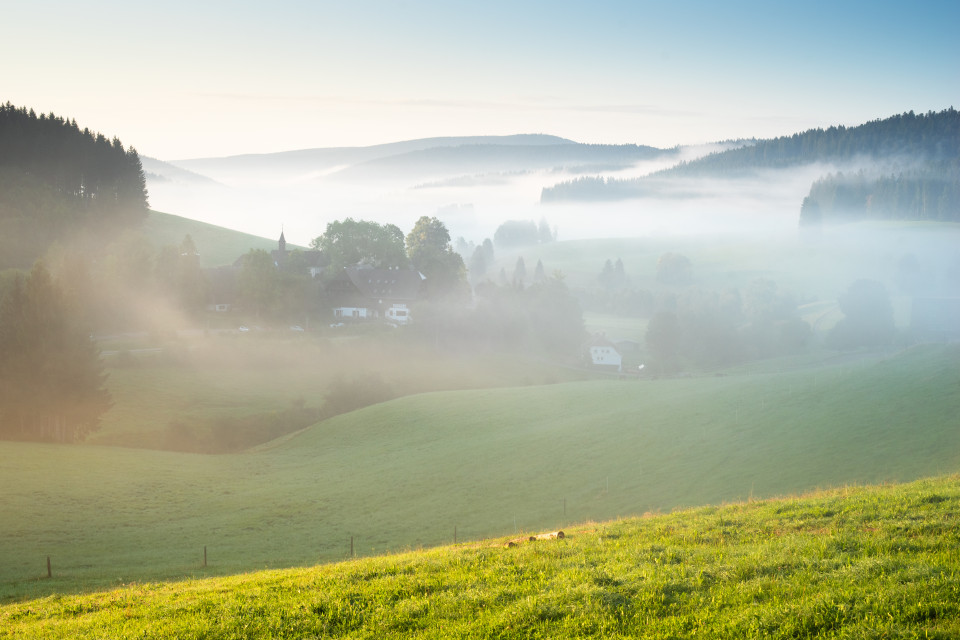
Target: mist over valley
x=491 y=320
x=296 y=358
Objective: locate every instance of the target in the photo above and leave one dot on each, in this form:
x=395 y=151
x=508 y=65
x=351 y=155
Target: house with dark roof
x=224 y=290
x=365 y=293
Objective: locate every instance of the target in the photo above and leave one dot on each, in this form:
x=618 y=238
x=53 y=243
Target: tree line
x=928 y=193
x=73 y=189
x=689 y=325
x=931 y=139
x=58 y=180
x=288 y=290
x=52 y=383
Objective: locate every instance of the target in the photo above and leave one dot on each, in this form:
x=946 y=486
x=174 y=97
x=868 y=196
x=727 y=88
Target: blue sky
x=185 y=79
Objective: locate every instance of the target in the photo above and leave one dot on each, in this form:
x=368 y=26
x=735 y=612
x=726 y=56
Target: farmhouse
x=365 y=293
x=602 y=353
x=355 y=294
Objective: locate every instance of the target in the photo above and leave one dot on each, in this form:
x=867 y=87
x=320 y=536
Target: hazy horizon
x=219 y=80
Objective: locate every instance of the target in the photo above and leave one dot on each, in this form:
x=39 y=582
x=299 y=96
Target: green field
x=195 y=382
x=483 y=463
x=863 y=562
x=217 y=245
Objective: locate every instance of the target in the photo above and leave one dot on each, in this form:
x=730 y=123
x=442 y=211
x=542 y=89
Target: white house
x=365 y=293
x=603 y=353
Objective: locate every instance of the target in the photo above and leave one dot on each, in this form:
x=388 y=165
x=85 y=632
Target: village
x=374 y=292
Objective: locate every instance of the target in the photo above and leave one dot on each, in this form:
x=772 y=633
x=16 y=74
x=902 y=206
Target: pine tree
x=51 y=374
x=606 y=275
x=488 y=253
x=539 y=274
x=478 y=264
x=544 y=232
x=191 y=285
x=519 y=273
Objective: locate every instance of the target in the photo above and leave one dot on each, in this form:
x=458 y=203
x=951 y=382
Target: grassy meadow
x=473 y=447
x=196 y=382
x=859 y=562
x=418 y=470
x=217 y=245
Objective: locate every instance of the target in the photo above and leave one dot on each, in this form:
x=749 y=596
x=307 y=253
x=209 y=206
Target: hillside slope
x=410 y=471
x=306 y=161
x=476 y=159
x=887 y=146
x=864 y=562
x=217 y=245
x=903 y=138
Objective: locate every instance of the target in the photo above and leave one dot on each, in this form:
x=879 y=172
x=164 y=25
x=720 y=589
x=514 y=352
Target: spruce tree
x=519 y=273
x=51 y=374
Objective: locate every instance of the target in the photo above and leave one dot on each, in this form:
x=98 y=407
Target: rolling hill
x=158 y=170
x=480 y=159
x=855 y=562
x=889 y=145
x=486 y=463
x=413 y=160
x=218 y=245
x=298 y=162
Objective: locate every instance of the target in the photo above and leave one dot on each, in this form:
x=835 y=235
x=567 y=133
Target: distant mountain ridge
x=324 y=157
x=924 y=139
x=423 y=159
x=159 y=170
x=487 y=158
x=929 y=137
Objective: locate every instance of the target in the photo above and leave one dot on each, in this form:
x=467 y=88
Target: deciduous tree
x=430 y=252
x=674 y=268
x=258 y=280
x=350 y=242
x=663 y=340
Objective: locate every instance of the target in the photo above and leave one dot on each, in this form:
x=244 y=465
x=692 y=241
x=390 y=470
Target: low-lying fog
x=754 y=217
x=473 y=206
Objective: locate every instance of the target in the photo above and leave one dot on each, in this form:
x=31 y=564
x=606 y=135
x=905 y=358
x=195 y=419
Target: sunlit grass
x=418 y=470
x=855 y=562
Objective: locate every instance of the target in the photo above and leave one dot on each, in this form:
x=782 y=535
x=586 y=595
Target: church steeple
x=283 y=241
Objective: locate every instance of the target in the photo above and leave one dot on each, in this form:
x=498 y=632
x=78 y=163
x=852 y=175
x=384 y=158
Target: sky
x=185 y=79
